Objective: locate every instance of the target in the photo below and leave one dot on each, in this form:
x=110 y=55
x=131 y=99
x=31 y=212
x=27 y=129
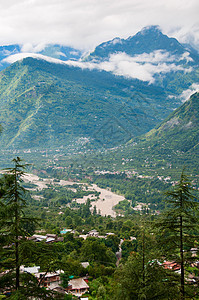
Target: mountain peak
x=148 y=40
x=150 y=29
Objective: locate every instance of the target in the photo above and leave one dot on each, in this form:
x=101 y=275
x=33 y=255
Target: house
x=93 y=233
x=77 y=287
x=60 y=290
x=85 y=264
x=65 y=230
x=50 y=280
x=49 y=238
x=172 y=265
x=38 y=237
x=83 y=236
x=101 y=236
x=50 y=235
x=110 y=233
x=194 y=252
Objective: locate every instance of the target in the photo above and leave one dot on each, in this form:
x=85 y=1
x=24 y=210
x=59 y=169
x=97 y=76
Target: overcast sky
x=84 y=24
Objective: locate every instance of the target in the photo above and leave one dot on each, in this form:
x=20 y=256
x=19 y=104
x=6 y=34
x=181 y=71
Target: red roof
x=171 y=265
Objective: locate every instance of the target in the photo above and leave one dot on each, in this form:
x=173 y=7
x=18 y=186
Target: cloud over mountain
x=142 y=67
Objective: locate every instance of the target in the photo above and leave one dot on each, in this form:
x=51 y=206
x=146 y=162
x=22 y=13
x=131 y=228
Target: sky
x=84 y=24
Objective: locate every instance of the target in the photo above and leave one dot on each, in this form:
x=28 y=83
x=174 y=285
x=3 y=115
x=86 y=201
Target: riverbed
x=104 y=204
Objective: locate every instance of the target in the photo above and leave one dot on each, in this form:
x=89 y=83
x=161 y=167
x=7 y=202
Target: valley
x=104 y=202
x=102 y=157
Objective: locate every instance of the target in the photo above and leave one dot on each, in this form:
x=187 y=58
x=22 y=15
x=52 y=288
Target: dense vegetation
x=139 y=237
x=67 y=104
x=74 y=106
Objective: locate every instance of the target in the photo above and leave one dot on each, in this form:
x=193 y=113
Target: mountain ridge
x=138 y=43
x=57 y=51
x=164 y=151
x=66 y=102
x=183 y=124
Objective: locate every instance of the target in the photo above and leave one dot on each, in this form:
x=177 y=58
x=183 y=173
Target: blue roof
x=65 y=231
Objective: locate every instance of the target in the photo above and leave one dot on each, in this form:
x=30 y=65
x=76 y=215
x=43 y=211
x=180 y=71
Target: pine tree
x=15 y=249
x=13 y=219
x=142 y=276
x=177 y=225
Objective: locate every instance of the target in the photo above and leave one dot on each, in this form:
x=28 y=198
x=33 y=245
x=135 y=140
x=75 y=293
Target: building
x=93 y=233
x=77 y=287
x=50 y=280
x=85 y=264
x=172 y=265
x=48 y=238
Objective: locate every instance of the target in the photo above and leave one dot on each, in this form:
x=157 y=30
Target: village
x=79 y=286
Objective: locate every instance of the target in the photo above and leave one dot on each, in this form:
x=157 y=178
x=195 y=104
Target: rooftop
x=78 y=284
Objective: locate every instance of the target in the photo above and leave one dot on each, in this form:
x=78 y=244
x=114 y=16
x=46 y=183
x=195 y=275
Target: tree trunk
x=17 y=263
x=16 y=234
x=181 y=262
x=181 y=253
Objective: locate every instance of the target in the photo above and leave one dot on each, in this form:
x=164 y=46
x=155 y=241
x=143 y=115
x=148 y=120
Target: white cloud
x=186 y=56
x=142 y=67
x=28 y=47
x=155 y=57
x=187 y=93
x=60 y=53
x=20 y=56
x=84 y=24
x=158 y=56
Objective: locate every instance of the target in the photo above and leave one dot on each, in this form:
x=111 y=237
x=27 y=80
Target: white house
x=77 y=287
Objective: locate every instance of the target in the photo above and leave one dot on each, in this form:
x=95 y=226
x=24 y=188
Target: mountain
x=147 y=40
x=180 y=131
x=6 y=51
x=169 y=146
x=151 y=56
x=106 y=100
x=48 y=105
x=63 y=53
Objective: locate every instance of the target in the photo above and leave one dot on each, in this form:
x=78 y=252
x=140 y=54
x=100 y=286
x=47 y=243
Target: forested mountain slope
x=121 y=91
x=48 y=105
x=169 y=147
x=180 y=131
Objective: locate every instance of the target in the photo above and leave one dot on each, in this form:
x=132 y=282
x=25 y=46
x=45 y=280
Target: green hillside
x=49 y=105
x=169 y=147
x=180 y=131
x=46 y=105
x=163 y=151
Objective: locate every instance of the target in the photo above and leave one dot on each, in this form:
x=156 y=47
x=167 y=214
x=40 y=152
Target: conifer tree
x=177 y=226
x=143 y=276
x=15 y=249
x=13 y=231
